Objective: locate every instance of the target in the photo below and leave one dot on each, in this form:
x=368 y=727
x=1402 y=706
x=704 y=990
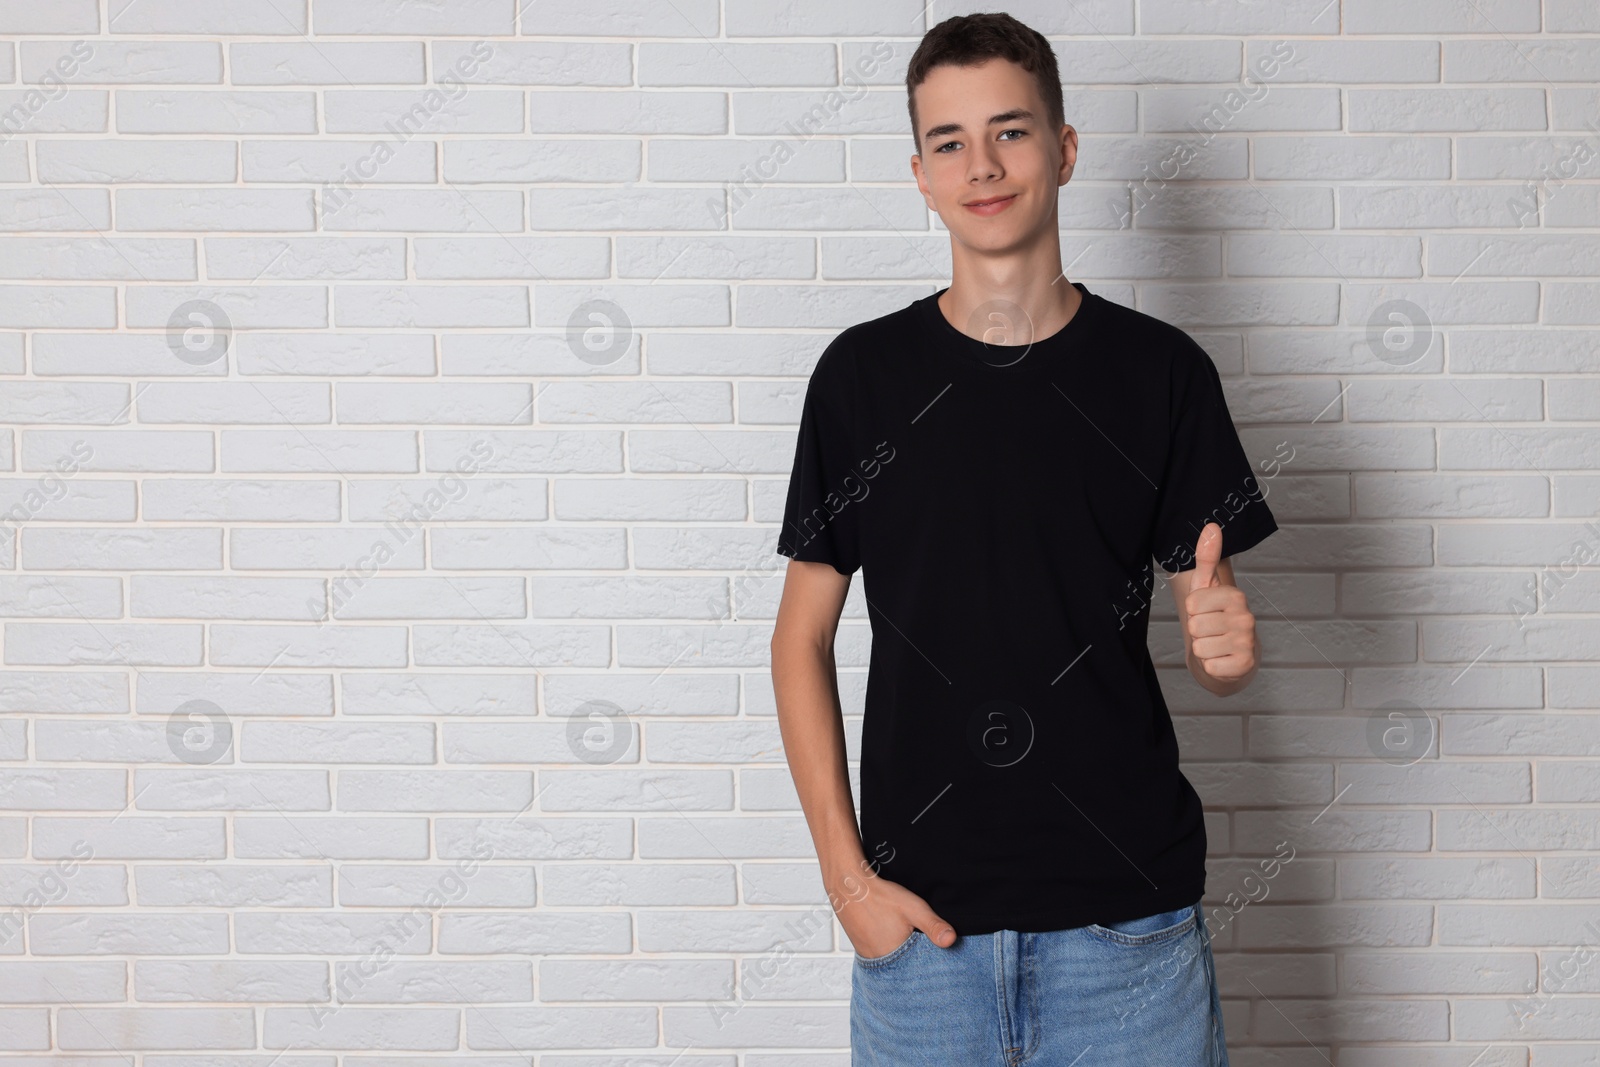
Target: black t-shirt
x=1019 y=768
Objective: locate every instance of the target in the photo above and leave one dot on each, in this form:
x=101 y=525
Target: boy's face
x=993 y=183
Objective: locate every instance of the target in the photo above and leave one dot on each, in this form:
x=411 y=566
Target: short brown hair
x=967 y=40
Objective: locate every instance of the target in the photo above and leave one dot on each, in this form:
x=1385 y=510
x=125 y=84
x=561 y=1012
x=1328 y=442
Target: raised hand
x=1222 y=631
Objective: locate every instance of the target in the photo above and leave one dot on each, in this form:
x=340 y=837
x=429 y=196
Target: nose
x=982 y=163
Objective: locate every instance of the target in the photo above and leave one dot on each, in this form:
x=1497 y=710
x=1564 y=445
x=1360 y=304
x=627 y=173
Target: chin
x=991 y=239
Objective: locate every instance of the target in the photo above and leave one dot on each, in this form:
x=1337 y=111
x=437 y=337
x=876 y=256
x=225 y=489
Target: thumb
x=939 y=932
x=1207 y=554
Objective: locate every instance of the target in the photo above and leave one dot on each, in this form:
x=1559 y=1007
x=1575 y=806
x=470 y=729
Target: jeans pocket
x=893 y=954
x=1149 y=929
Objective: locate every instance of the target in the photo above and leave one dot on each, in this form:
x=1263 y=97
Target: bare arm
x=881 y=914
x=810 y=718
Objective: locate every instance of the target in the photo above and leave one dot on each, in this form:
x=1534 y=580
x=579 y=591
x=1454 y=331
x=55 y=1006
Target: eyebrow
x=1016 y=114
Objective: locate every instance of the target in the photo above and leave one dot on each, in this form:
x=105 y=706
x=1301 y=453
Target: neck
x=1007 y=303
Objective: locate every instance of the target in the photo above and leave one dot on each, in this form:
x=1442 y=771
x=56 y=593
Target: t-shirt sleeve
x=821 y=516
x=1208 y=477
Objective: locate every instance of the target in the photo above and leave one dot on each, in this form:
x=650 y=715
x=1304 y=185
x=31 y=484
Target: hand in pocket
x=881 y=918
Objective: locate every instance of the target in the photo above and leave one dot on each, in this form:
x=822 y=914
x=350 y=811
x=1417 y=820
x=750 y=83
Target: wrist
x=846 y=879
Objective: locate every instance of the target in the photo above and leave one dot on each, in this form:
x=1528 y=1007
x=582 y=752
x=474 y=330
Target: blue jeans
x=1141 y=992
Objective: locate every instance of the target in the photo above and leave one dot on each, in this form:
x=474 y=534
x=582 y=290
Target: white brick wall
x=398 y=402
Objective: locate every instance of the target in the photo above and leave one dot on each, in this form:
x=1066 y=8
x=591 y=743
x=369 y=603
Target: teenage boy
x=1002 y=459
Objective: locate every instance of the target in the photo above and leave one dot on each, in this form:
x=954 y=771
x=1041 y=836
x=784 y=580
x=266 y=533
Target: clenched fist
x=1222 y=631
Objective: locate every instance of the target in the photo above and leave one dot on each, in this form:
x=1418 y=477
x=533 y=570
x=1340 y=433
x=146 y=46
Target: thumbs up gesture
x=1218 y=623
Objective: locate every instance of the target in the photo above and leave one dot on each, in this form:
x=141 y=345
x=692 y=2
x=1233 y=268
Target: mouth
x=990 y=205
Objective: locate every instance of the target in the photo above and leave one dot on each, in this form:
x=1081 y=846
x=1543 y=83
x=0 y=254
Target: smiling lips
x=990 y=206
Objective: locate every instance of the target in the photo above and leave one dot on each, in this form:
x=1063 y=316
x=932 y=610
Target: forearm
x=812 y=725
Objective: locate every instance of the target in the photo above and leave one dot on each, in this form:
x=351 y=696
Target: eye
x=947 y=144
x=1022 y=132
